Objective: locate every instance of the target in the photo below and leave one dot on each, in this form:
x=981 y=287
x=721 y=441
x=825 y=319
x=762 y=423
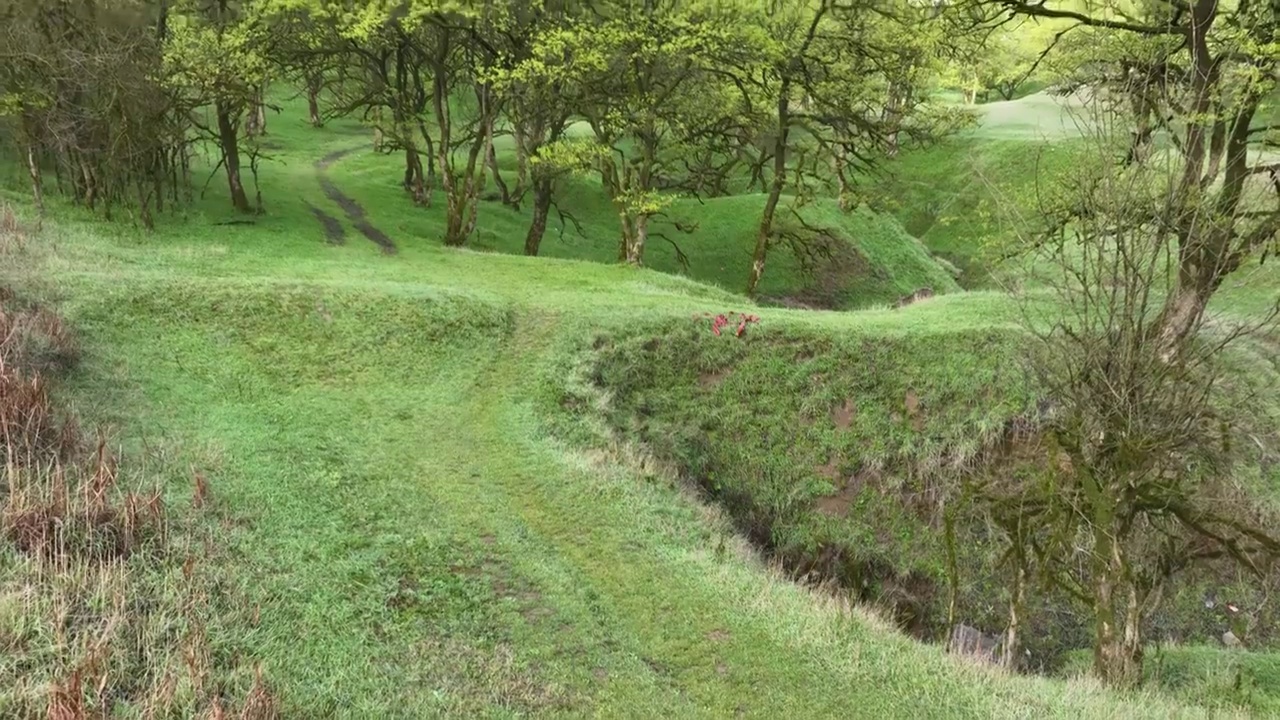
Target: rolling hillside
x=426 y=494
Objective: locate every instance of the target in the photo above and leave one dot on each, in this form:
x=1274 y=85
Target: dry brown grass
x=13 y=237
x=112 y=601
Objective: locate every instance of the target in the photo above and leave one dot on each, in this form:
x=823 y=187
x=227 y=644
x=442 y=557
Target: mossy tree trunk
x=229 y=139
x=764 y=234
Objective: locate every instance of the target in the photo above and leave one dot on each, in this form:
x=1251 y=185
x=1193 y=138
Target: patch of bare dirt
x=354 y=211
x=843 y=415
x=831 y=470
x=536 y=614
x=923 y=293
x=333 y=230
x=709 y=380
x=839 y=503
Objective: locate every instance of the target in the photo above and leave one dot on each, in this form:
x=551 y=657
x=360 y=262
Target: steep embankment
x=419 y=547
x=842 y=453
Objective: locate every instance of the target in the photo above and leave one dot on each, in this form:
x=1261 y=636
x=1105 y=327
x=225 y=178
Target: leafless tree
x=1137 y=470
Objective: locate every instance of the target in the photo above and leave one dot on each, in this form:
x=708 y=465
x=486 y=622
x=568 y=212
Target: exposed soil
x=354 y=211
x=843 y=415
x=831 y=470
x=712 y=379
x=839 y=504
x=921 y=294
x=333 y=230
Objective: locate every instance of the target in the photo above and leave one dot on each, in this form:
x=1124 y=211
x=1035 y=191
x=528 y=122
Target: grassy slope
x=718 y=245
x=957 y=197
x=418 y=543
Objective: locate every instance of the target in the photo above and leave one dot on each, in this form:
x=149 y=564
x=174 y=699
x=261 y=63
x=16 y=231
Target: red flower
x=722 y=320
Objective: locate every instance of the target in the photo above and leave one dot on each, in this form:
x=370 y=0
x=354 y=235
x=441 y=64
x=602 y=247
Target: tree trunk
x=162 y=21
x=898 y=96
x=313 y=100
x=522 y=160
x=624 y=242
x=475 y=175
x=431 y=159
x=260 y=111
x=414 y=182
x=541 y=208
x=845 y=196
x=90 y=185
x=455 y=207
x=1117 y=645
x=492 y=162
x=1017 y=605
x=764 y=234
x=230 y=141
x=37 y=184
x=636 y=242
x=144 y=206
x=1180 y=316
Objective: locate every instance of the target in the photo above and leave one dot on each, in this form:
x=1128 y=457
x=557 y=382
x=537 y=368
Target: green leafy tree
x=214 y=57
x=301 y=41
x=638 y=75
x=79 y=95
x=533 y=99
x=429 y=62
x=1003 y=59
x=842 y=83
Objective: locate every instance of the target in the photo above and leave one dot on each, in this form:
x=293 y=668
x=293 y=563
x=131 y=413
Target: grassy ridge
x=842 y=452
x=832 y=450
x=874 y=261
x=419 y=541
x=419 y=548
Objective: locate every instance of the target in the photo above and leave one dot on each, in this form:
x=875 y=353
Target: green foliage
x=645 y=82
x=971 y=200
x=215 y=61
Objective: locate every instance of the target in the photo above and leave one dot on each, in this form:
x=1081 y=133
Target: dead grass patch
x=112 y=602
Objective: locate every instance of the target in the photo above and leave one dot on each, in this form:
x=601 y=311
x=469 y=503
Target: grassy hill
x=873 y=261
x=426 y=505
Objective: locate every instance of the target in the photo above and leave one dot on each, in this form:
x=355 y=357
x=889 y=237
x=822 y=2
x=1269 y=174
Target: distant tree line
x=112 y=98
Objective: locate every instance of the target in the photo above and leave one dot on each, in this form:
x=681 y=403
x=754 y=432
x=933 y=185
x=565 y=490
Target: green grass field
x=429 y=528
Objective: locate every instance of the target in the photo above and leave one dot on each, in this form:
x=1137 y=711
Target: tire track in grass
x=675 y=643
x=333 y=230
x=353 y=209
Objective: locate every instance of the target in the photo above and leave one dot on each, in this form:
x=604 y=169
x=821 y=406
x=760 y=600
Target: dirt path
x=354 y=212
x=333 y=230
